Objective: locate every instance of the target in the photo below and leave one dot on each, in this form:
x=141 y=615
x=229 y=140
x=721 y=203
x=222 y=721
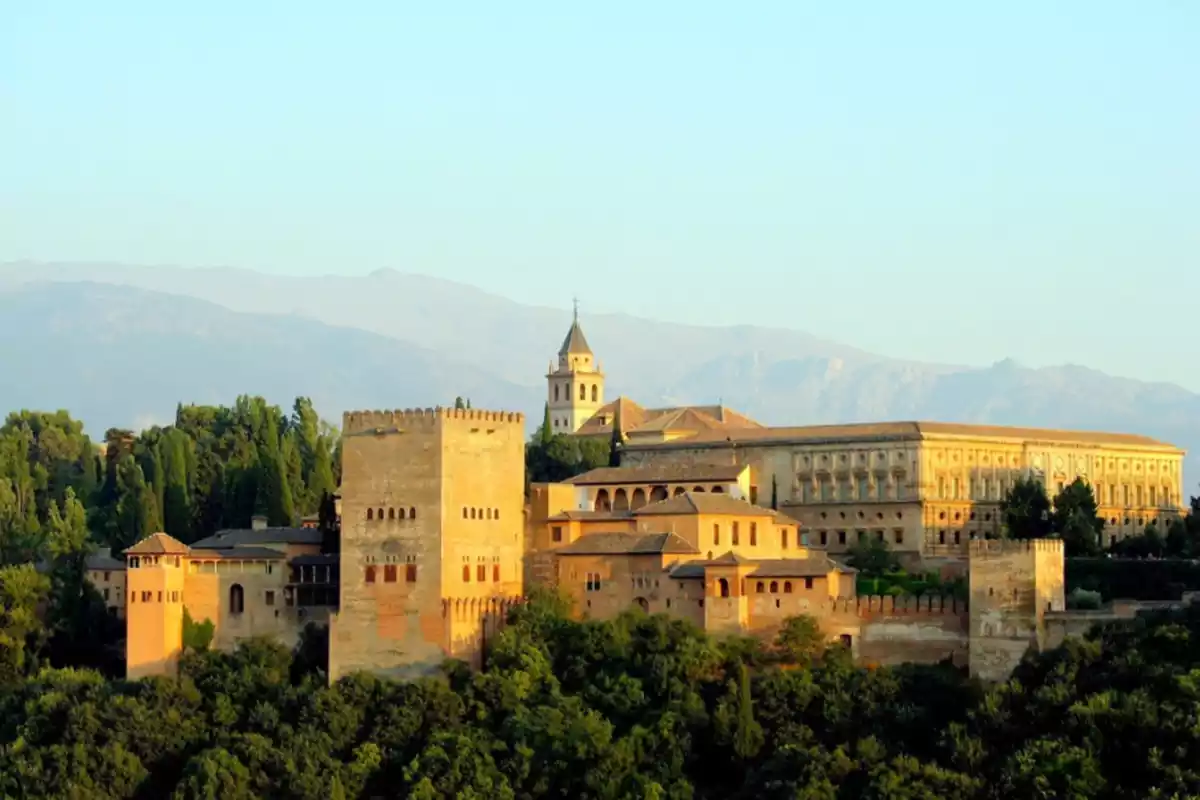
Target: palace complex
x=711 y=517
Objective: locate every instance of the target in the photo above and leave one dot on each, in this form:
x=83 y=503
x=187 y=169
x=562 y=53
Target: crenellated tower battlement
x=984 y=548
x=354 y=422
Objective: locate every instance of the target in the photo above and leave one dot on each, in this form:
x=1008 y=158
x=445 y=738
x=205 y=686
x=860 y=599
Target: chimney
x=258 y=522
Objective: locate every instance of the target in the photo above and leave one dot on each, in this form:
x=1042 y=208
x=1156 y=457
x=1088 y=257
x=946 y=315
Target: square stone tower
x=432 y=536
x=1013 y=585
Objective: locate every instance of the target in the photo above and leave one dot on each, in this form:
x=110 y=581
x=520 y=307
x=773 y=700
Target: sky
x=942 y=181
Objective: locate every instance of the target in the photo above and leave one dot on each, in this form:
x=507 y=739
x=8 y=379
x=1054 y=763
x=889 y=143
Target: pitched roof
x=627 y=543
x=239 y=553
x=158 y=544
x=874 y=431
x=818 y=565
x=324 y=559
x=635 y=419
x=717 y=503
x=246 y=536
x=811 y=567
x=575 y=342
x=103 y=560
x=589 y=516
x=660 y=473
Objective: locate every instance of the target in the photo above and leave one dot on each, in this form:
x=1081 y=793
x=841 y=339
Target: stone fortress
x=710 y=517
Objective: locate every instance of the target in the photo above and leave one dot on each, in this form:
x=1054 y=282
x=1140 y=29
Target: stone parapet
x=983 y=548
x=869 y=606
x=383 y=421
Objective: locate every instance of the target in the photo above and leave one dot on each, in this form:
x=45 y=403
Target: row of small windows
x=762 y=588
x=149 y=597
x=150 y=561
x=583 y=392
x=480 y=513
x=392 y=513
x=845 y=490
x=390 y=573
x=481 y=573
x=897 y=536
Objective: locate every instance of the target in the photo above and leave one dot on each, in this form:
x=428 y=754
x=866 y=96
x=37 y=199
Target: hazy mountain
x=116 y=356
x=391 y=339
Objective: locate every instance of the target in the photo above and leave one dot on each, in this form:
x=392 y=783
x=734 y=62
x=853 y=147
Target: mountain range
x=120 y=345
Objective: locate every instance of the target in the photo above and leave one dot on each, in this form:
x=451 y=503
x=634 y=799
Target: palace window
x=716 y=533
x=754 y=535
x=389 y=573
x=481 y=573
x=593 y=582
x=410 y=573
x=237 y=599
x=787 y=587
x=723 y=587
x=556 y=533
x=735 y=534
x=808 y=583
x=371 y=574
x=495 y=573
x=774 y=587
x=269 y=598
x=824 y=538
x=466 y=573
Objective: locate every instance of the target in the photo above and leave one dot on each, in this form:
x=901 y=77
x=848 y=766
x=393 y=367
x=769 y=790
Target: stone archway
x=658 y=494
x=603 y=501
x=639 y=498
x=620 y=501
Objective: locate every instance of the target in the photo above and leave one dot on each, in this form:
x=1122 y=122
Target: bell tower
x=575 y=385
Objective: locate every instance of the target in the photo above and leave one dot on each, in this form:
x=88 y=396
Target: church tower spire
x=575 y=386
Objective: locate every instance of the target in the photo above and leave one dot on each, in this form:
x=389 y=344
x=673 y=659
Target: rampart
x=384 y=421
x=984 y=548
x=872 y=606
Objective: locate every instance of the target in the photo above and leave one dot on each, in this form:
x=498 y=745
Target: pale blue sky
x=938 y=180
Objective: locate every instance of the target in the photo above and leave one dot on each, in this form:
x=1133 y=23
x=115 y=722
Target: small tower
x=575 y=386
x=155 y=576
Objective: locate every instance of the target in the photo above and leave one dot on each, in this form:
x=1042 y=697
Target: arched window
x=496 y=514
x=556 y=392
x=466 y=573
x=488 y=513
x=774 y=587
x=679 y=490
x=658 y=493
x=639 y=498
x=472 y=513
x=620 y=501
x=379 y=513
x=370 y=513
x=759 y=587
x=237 y=599
x=753 y=534
x=724 y=587
x=698 y=489
x=595 y=393
x=391 y=513
x=401 y=512
x=603 y=503
x=735 y=534
x=718 y=489
x=716 y=534
x=787 y=587
x=412 y=512
x=464 y=512
x=582 y=392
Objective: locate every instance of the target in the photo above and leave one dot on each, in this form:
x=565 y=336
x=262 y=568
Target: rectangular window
x=879 y=536
x=106 y=594
x=495 y=573
x=753 y=495
x=370 y=574
x=845 y=490
x=784 y=537
x=754 y=535
x=824 y=538
x=899 y=537
x=270 y=597
x=841 y=537
x=106 y=576
x=556 y=533
x=481 y=573
x=410 y=573
x=881 y=489
x=389 y=573
x=146 y=597
x=957 y=488
x=864 y=489
x=808 y=583
x=735 y=534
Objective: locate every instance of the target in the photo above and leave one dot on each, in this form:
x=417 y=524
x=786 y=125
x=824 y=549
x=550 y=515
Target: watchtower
x=432 y=519
x=155 y=576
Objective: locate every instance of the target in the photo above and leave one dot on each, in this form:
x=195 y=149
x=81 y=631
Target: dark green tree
x=544 y=433
x=1076 y=519
x=1026 y=510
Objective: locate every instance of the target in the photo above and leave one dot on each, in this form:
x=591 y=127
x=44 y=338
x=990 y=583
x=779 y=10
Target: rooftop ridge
x=359 y=421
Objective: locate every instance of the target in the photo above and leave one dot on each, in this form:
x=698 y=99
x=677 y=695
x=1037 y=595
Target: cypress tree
x=614 y=455
x=545 y=434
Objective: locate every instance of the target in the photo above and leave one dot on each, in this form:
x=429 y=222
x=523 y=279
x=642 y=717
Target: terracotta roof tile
x=158 y=544
x=589 y=516
x=818 y=565
x=636 y=419
x=712 y=503
x=241 y=537
x=239 y=553
x=627 y=543
x=660 y=473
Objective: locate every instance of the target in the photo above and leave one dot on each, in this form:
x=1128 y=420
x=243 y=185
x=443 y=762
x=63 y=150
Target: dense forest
x=637 y=707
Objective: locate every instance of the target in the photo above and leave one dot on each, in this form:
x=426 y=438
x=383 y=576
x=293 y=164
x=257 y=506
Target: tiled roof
x=635 y=419
x=324 y=559
x=660 y=473
x=717 y=503
x=872 y=431
x=158 y=544
x=589 y=516
x=575 y=342
x=239 y=553
x=103 y=560
x=247 y=536
x=816 y=565
x=627 y=543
